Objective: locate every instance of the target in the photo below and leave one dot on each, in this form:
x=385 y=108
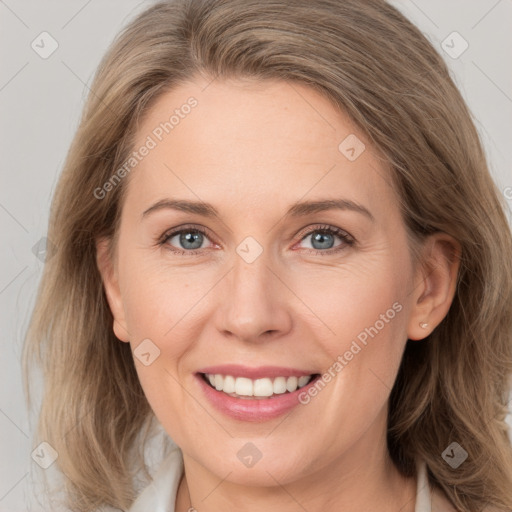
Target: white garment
x=160 y=494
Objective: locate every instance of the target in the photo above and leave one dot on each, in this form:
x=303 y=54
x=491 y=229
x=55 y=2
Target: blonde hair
x=377 y=67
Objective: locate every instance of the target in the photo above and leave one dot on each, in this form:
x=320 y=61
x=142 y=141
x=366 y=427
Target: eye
x=187 y=240
x=323 y=239
x=190 y=240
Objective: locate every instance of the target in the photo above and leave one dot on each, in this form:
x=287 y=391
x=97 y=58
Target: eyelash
x=347 y=239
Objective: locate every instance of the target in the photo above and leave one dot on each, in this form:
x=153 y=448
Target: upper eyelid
x=176 y=231
x=324 y=227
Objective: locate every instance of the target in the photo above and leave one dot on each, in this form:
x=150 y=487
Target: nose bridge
x=250 y=277
x=254 y=302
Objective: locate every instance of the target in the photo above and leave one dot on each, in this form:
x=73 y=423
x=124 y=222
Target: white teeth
x=259 y=388
x=229 y=384
x=279 y=385
x=291 y=384
x=303 y=381
x=263 y=387
x=243 y=386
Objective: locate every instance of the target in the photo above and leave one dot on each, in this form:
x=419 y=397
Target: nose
x=255 y=303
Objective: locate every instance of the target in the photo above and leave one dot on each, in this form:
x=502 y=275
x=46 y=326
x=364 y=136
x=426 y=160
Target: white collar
x=160 y=494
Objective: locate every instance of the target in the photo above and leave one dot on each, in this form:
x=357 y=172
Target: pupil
x=191 y=237
x=320 y=238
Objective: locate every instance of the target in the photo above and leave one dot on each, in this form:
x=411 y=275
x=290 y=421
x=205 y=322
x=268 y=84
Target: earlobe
x=436 y=285
x=111 y=286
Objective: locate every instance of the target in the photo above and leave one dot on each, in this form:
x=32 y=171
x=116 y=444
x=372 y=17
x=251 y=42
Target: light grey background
x=40 y=103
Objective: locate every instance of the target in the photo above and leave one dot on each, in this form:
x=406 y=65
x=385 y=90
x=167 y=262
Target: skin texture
x=252 y=149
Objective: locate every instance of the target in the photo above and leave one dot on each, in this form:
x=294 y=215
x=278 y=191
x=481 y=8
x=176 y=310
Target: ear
x=109 y=277
x=435 y=284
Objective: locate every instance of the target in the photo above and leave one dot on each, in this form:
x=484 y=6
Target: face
x=263 y=295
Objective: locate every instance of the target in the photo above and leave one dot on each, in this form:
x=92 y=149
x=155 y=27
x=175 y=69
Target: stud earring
x=423 y=325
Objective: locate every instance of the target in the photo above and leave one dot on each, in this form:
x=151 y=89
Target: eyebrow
x=299 y=209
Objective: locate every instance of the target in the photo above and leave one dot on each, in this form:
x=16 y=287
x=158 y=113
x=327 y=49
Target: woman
x=338 y=333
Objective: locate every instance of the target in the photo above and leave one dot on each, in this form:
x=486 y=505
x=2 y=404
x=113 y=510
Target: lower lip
x=252 y=409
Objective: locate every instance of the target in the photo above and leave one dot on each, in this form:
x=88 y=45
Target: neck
x=361 y=479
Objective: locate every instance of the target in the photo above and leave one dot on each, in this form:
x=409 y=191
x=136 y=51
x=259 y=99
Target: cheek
x=164 y=304
x=150 y=306
x=354 y=296
x=364 y=354
x=363 y=310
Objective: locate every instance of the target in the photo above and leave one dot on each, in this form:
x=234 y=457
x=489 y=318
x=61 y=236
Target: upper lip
x=253 y=373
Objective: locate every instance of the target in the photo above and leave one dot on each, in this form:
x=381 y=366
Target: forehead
x=245 y=141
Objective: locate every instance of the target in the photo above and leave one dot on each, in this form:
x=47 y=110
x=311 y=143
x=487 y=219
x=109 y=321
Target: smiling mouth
x=256 y=389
